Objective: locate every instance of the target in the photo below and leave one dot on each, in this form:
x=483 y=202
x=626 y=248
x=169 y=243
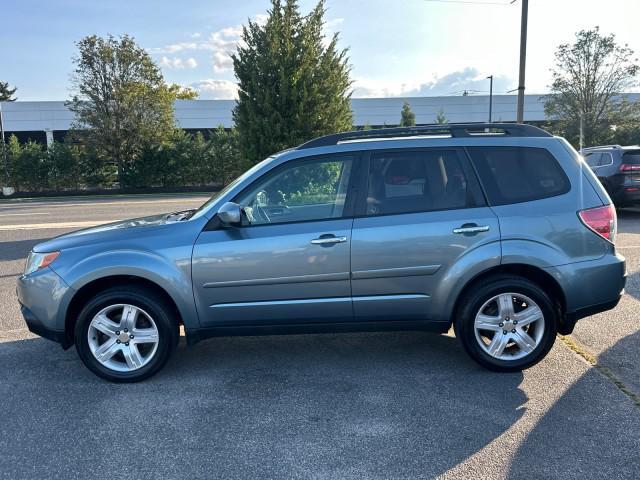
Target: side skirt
x=196 y=335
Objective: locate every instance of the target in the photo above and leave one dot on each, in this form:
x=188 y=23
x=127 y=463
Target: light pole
x=490 y=78
x=523 y=59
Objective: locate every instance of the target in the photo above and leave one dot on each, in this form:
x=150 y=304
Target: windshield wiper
x=183 y=214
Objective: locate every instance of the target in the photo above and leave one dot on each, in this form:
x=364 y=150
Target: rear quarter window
x=632 y=158
x=518 y=174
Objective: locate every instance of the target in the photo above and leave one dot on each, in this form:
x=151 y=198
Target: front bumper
x=42 y=296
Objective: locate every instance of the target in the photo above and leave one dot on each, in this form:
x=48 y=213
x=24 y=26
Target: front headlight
x=36 y=261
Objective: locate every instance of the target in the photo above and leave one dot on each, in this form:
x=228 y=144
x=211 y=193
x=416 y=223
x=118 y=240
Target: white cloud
x=222 y=62
x=213 y=89
x=178 y=63
x=222 y=43
x=454 y=83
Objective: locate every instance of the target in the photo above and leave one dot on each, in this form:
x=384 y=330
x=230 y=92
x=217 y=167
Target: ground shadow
x=395 y=405
x=566 y=442
x=18 y=249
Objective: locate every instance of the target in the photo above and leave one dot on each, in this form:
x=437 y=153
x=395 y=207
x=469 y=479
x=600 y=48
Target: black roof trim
x=452 y=129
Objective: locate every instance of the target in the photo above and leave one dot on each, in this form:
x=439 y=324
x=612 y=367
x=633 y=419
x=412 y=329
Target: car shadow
x=545 y=453
x=325 y=406
x=18 y=249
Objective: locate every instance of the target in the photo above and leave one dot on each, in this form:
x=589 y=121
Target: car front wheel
x=126 y=334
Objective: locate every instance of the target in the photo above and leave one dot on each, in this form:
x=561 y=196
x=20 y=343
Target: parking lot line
x=42 y=226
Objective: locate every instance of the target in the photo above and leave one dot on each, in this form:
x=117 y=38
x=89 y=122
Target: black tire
x=481 y=292
x=154 y=305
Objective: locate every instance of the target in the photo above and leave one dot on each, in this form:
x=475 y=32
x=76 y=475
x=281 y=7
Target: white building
x=46 y=121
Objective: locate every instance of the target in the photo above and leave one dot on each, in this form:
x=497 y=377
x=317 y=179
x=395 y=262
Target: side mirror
x=230 y=214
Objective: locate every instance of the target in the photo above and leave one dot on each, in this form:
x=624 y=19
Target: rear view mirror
x=230 y=214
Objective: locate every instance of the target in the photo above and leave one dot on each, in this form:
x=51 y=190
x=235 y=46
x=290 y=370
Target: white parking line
x=100 y=203
x=23 y=214
x=42 y=226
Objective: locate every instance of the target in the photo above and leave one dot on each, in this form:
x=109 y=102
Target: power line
x=469 y=2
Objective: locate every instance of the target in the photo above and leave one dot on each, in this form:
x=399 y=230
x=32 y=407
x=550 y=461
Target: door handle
x=328 y=240
x=471 y=229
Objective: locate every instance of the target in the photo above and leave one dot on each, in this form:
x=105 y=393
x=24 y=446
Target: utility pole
x=523 y=59
x=4 y=146
x=490 y=77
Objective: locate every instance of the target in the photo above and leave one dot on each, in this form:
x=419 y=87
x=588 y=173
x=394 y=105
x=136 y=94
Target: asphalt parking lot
x=395 y=405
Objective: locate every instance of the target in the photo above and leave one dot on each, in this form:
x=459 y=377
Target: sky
x=400 y=48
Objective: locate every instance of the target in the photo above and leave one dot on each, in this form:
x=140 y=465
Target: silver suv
x=500 y=230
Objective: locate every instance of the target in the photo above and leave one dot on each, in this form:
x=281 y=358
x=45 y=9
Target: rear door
x=422 y=212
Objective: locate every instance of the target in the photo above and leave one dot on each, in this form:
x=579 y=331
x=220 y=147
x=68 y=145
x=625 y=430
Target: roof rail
x=602 y=146
x=451 y=129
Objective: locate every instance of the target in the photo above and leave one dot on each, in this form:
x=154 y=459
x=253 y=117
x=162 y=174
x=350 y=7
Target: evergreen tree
x=292 y=85
x=441 y=119
x=407 y=117
x=6 y=92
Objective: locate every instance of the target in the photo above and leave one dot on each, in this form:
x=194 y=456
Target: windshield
x=205 y=206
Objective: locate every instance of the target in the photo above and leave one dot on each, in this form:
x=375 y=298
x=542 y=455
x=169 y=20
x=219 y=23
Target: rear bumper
x=627 y=194
x=590 y=287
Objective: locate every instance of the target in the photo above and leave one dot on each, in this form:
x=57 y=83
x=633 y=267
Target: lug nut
x=513 y=331
x=504 y=332
x=131 y=337
x=126 y=344
x=117 y=341
x=125 y=330
x=501 y=324
x=515 y=322
x=117 y=332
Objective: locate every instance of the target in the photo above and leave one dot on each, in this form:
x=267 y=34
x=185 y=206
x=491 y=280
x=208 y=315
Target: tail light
x=602 y=220
x=629 y=167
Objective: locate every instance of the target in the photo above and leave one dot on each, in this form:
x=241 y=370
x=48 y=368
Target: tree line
x=293 y=85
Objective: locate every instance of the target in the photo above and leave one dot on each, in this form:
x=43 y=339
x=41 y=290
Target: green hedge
x=184 y=160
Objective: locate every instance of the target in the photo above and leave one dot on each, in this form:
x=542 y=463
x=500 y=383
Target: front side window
x=518 y=174
x=314 y=189
x=416 y=181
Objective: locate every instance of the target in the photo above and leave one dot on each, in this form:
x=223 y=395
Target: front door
x=422 y=214
x=289 y=261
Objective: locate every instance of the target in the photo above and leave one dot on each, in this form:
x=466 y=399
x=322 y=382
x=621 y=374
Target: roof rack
x=602 y=146
x=451 y=129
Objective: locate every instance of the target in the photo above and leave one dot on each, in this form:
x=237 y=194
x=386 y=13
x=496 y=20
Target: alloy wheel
x=123 y=337
x=509 y=326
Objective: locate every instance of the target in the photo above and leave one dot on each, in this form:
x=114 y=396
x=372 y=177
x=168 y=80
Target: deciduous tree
x=589 y=79
x=121 y=102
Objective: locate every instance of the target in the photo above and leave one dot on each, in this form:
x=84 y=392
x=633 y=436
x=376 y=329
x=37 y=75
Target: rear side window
x=593 y=159
x=417 y=181
x=518 y=174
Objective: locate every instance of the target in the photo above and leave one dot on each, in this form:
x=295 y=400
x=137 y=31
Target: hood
x=108 y=232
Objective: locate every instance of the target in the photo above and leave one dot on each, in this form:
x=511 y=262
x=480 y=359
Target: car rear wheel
x=507 y=323
x=126 y=334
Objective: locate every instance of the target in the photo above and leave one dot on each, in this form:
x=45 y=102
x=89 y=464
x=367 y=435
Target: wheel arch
x=90 y=289
x=537 y=275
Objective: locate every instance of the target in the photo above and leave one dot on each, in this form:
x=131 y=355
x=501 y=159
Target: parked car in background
x=495 y=229
x=618 y=169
